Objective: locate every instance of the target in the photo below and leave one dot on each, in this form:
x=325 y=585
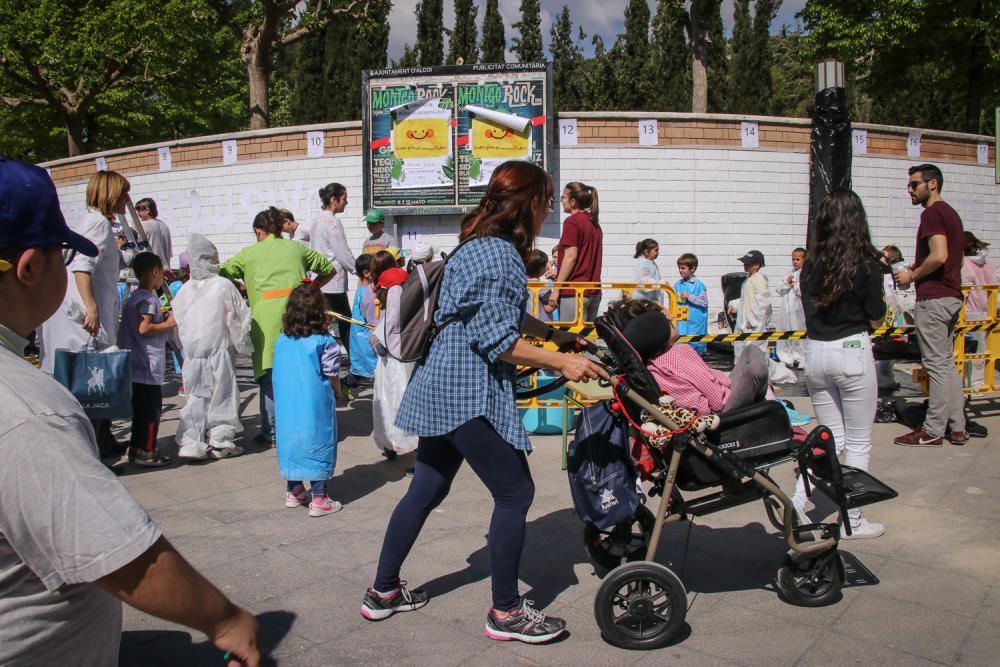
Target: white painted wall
x=716 y=203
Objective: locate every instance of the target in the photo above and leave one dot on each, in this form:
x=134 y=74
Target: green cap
x=374 y=215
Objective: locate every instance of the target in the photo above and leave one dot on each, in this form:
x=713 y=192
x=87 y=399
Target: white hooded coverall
x=213 y=322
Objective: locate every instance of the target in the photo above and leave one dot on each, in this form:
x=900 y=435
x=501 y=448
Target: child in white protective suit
x=214 y=325
x=753 y=314
x=792 y=316
x=391 y=374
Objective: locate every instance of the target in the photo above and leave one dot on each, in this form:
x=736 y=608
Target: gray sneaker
x=525 y=624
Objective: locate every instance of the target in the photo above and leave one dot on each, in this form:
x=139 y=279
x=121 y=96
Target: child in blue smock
x=692 y=293
x=306 y=363
x=362 y=355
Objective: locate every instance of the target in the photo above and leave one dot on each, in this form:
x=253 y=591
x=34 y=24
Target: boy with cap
x=378 y=240
x=753 y=309
x=72 y=538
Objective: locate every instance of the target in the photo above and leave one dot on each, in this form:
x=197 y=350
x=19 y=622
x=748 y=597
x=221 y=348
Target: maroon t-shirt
x=582 y=233
x=941 y=219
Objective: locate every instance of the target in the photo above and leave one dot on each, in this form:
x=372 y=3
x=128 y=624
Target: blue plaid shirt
x=462 y=378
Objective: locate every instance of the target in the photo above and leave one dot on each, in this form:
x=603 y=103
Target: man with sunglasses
x=73 y=542
x=937 y=275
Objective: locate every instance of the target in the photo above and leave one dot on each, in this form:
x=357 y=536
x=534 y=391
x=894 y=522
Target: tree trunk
x=696 y=28
x=75 y=122
x=699 y=85
x=257 y=79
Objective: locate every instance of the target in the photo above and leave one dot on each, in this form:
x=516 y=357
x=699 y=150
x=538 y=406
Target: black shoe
x=525 y=624
x=374 y=608
x=389 y=454
x=151 y=459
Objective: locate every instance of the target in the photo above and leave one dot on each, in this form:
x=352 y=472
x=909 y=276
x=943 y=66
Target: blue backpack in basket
x=602 y=477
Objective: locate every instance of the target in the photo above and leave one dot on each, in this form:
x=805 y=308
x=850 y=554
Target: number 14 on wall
x=749 y=134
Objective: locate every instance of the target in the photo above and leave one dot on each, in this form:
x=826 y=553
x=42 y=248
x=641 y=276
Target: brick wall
x=697 y=191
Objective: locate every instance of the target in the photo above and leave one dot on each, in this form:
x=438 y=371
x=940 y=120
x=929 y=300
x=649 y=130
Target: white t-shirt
x=65 y=522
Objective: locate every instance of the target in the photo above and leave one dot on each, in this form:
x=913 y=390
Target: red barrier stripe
x=463 y=140
x=379 y=143
x=538 y=120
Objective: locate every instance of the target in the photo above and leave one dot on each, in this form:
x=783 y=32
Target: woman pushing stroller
x=470 y=367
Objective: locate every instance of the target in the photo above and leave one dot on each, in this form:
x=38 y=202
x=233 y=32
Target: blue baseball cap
x=30 y=216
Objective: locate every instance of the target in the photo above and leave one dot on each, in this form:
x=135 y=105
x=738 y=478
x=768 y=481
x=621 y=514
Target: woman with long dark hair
x=843 y=299
x=461 y=402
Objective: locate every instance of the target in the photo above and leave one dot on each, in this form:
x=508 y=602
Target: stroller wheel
x=640 y=606
x=622 y=543
x=812 y=580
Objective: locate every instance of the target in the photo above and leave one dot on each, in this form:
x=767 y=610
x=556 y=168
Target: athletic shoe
x=525 y=624
x=864 y=529
x=376 y=608
x=151 y=459
x=323 y=506
x=919 y=438
x=297 y=497
x=958 y=437
x=226 y=452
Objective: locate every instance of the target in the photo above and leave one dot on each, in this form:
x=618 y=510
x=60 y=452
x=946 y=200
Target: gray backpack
x=417 y=306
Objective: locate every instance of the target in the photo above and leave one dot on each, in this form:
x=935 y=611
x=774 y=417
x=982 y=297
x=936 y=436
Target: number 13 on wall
x=648 y=132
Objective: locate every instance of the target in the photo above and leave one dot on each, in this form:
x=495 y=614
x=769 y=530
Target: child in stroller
x=642 y=604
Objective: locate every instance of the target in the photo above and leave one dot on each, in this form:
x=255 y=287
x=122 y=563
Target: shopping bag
x=100 y=380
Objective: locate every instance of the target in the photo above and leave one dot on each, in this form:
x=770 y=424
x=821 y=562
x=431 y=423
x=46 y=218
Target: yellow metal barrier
x=977 y=369
x=576 y=321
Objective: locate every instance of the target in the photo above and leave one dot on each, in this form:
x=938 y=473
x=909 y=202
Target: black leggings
x=339 y=304
x=504 y=471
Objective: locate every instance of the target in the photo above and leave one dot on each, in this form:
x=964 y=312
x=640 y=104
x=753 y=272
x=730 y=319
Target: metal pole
x=830 y=149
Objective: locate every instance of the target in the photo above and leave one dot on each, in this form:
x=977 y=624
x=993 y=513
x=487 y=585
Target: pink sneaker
x=297 y=497
x=323 y=506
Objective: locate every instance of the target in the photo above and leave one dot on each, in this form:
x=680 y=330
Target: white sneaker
x=863 y=529
x=226 y=452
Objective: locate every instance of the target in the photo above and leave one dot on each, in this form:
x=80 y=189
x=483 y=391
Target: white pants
x=840 y=375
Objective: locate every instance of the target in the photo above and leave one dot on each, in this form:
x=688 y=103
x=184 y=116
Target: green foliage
x=430 y=33
x=669 y=64
x=494 y=44
x=408 y=58
x=463 y=38
x=791 y=77
x=567 y=61
x=718 y=60
x=633 y=86
x=528 y=45
x=322 y=71
x=750 y=84
x=913 y=62
x=122 y=58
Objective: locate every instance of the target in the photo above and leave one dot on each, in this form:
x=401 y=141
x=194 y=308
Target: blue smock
x=305 y=421
x=362 y=353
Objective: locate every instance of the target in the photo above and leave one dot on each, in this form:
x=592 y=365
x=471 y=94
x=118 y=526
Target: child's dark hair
x=535 y=262
x=362 y=263
x=145 y=262
x=688 y=259
x=628 y=309
x=644 y=246
x=305 y=313
x=799 y=249
x=383 y=261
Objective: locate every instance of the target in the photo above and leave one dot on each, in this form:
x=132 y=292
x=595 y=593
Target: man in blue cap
x=73 y=541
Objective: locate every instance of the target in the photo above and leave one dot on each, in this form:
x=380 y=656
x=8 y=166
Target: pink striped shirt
x=682 y=373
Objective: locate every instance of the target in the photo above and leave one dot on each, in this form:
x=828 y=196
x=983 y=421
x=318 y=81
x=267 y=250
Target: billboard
x=432 y=136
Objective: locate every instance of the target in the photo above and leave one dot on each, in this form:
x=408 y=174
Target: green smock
x=271 y=269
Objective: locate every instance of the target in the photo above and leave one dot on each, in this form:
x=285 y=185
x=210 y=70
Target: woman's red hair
x=516 y=194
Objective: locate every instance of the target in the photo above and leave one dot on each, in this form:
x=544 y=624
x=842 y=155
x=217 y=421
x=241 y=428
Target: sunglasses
x=913 y=185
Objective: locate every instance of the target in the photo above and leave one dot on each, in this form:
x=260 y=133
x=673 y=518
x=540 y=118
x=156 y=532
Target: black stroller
x=642 y=604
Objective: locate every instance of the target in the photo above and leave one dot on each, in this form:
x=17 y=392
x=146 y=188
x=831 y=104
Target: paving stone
x=832 y=648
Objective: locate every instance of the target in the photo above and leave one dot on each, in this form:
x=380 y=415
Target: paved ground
x=927 y=592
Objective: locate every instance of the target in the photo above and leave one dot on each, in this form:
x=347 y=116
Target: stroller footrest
x=862 y=488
